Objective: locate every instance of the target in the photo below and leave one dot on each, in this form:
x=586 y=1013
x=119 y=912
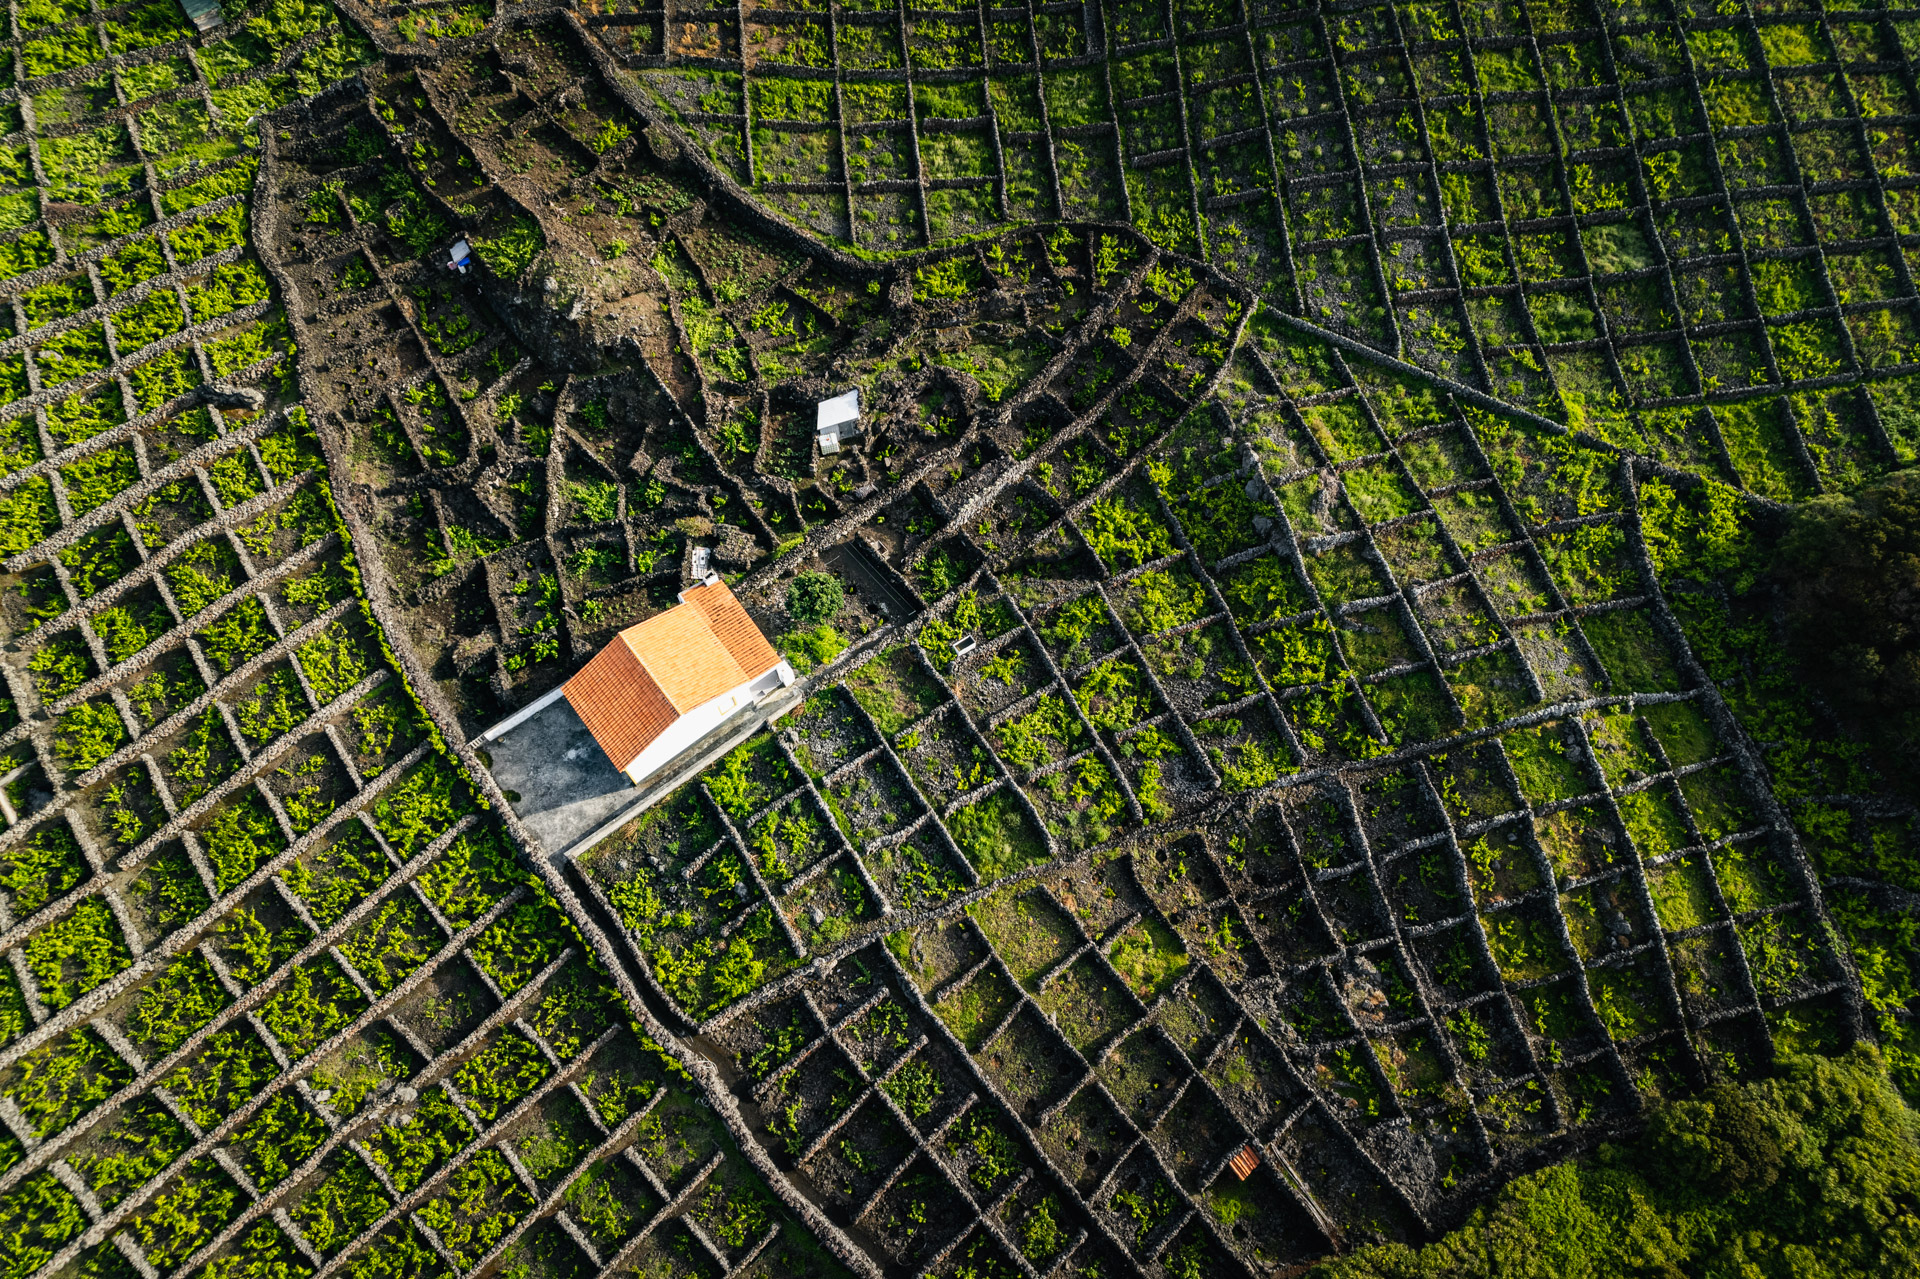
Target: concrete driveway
x=556 y=778
x=563 y=789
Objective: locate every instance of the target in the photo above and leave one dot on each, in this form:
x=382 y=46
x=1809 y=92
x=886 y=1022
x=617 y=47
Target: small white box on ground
x=460 y=256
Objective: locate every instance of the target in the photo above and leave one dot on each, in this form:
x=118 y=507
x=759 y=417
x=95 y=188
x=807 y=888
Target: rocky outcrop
x=572 y=311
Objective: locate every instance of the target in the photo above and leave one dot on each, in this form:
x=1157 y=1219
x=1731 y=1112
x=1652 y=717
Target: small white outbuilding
x=837 y=419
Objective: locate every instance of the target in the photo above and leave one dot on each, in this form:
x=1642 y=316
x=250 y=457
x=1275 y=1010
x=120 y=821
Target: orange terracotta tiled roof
x=735 y=629
x=620 y=703
x=654 y=672
x=688 y=661
x=1244 y=1162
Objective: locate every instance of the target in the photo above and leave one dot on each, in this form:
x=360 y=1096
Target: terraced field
x=1326 y=457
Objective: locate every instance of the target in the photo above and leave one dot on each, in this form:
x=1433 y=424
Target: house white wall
x=779 y=677
x=685 y=731
x=701 y=720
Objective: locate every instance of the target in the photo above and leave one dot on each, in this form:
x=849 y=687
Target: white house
x=836 y=419
x=667 y=682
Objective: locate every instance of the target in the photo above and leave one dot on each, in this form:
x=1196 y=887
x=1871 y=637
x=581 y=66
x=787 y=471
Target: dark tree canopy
x=814 y=597
x=1851 y=569
x=1721 y=1143
x=1809 y=1174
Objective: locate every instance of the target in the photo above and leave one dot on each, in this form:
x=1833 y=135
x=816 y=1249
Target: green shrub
x=230 y=287
x=520 y=943
x=210 y=234
x=413 y=1148
x=399 y=1253
x=481 y=1203
x=475 y=871
x=146 y=25
x=815 y=597
x=263 y=1252
x=89 y=734
x=238 y=839
x=183 y=998
x=334 y=661
x=279 y=1138
x=235 y=179
x=578 y=1005
x=508 y=253
x=421 y=805
x=230 y=1067
x=58 y=1082
x=140 y=1143
x=336 y=879
x=141 y=260
x=947 y=280
x=242 y=348
x=37 y=1218
x=393 y=942
x=163 y=378
x=316 y=1002
x=811 y=647
x=26 y=252
x=42 y=867
x=73 y=47
x=27 y=515
x=339 y=1208
x=71 y=956
x=499 y=1075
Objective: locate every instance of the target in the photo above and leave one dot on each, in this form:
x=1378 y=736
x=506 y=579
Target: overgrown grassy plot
x=895 y=690
x=707 y=941
x=1088 y=1006
x=977 y=1008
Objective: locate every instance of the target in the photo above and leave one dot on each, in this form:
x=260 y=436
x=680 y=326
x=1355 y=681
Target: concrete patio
x=562 y=787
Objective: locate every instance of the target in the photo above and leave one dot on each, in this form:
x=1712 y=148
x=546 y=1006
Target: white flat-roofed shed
x=837 y=418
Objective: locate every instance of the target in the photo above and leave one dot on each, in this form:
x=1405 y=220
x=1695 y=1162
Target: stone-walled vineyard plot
x=1393 y=848
x=1683 y=231
x=281 y=997
x=1259 y=719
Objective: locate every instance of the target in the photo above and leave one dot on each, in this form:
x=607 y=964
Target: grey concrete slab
x=565 y=784
x=570 y=796
x=689 y=764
